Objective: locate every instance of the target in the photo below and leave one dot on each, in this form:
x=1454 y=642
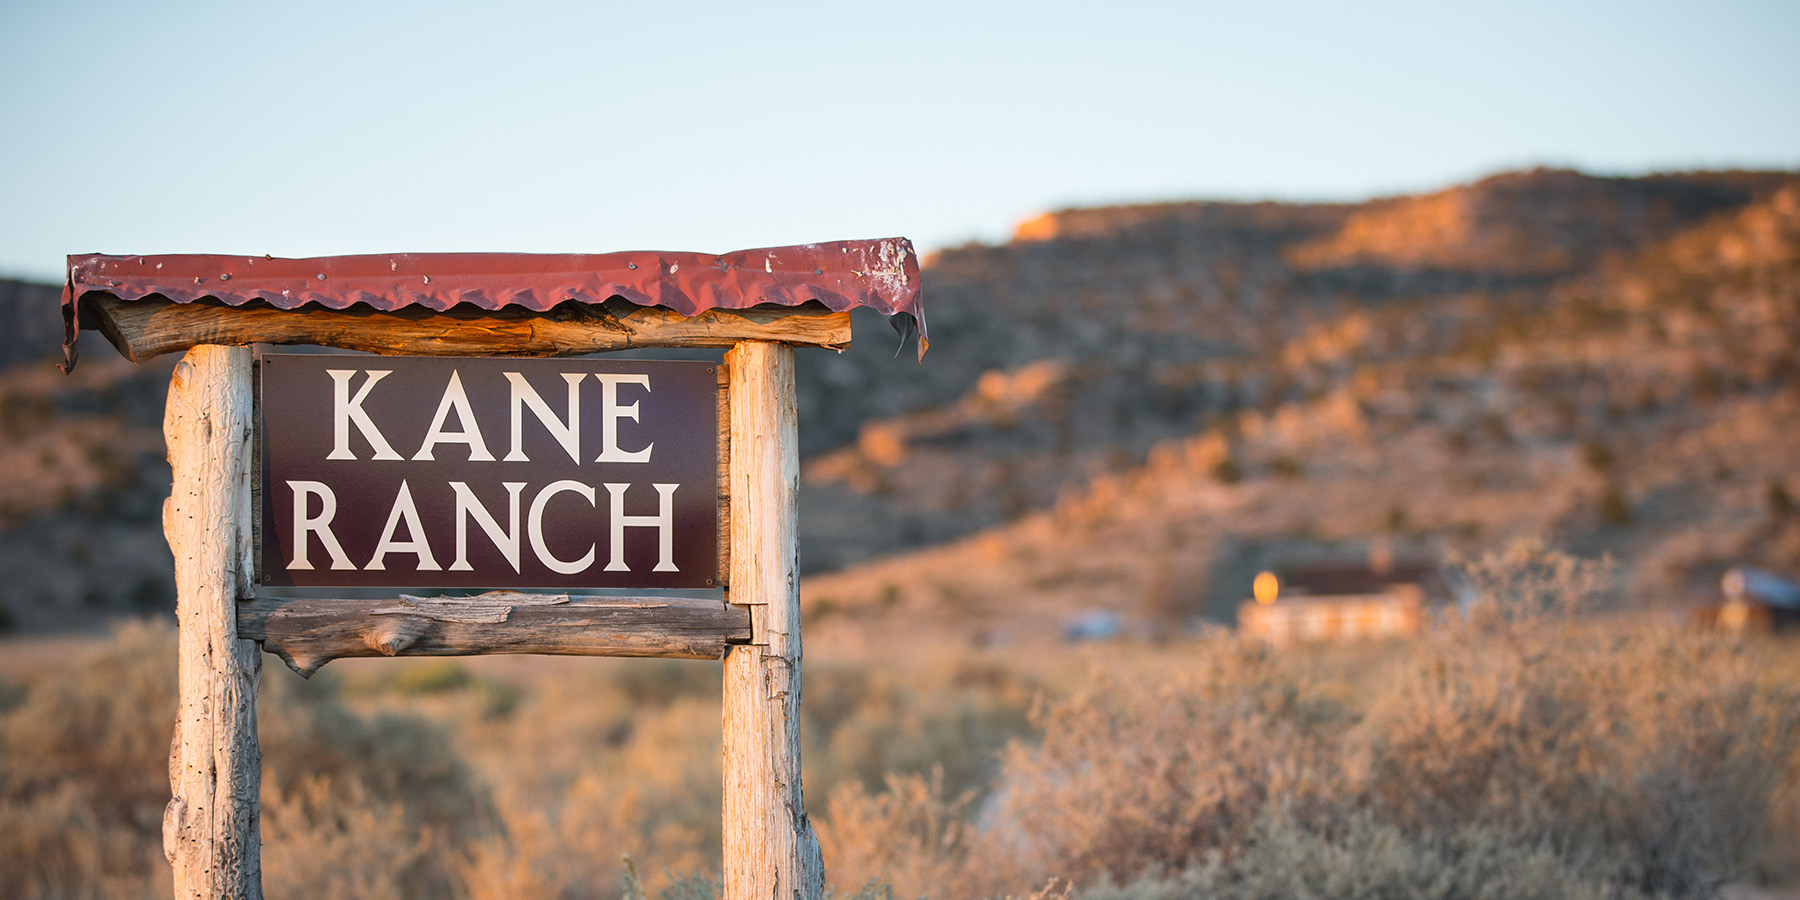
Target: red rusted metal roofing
x=882 y=275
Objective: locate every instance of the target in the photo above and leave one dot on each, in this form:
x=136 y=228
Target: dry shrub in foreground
x=1583 y=758
x=1365 y=859
x=1149 y=774
x=1657 y=749
x=942 y=716
x=84 y=776
x=351 y=804
x=1517 y=752
x=647 y=782
x=908 y=836
x=335 y=839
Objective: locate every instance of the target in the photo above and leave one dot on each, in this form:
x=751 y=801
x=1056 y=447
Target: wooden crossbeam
x=141 y=329
x=308 y=633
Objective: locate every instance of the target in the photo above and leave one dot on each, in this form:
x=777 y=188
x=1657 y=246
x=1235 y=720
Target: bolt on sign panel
x=488 y=473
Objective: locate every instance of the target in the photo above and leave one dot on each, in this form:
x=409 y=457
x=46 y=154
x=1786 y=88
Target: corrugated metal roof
x=882 y=275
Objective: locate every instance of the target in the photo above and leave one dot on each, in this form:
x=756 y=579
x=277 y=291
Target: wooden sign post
x=210 y=827
x=763 y=304
x=770 y=850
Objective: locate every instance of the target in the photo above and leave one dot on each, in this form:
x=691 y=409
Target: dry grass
x=1366 y=858
x=1521 y=751
x=84 y=775
x=1589 y=759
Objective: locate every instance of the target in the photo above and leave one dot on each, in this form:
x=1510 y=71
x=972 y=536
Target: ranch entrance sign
x=522 y=485
x=481 y=473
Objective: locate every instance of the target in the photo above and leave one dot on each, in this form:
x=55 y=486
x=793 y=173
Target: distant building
x=1754 y=600
x=1339 y=602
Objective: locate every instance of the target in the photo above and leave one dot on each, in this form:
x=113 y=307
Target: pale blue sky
x=307 y=129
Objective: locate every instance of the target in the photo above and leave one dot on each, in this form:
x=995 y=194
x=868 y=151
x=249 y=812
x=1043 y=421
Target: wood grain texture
x=724 y=476
x=210 y=829
x=141 y=329
x=770 y=850
x=308 y=633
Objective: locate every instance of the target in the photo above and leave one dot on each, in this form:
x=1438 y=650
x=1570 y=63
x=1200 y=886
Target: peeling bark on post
x=770 y=850
x=210 y=830
x=308 y=633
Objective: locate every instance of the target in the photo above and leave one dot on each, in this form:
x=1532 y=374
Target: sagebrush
x=1523 y=749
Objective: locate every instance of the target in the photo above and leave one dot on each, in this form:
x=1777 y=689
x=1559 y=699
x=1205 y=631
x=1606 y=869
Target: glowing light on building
x=1266 y=587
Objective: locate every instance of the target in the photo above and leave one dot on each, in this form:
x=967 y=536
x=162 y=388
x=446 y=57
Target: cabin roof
x=882 y=275
x=1327 y=579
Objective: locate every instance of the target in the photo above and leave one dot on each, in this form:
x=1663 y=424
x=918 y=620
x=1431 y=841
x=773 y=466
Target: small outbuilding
x=1753 y=600
x=1334 y=602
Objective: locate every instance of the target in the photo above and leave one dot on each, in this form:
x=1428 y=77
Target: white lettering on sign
x=450 y=500
x=506 y=540
x=568 y=434
x=348 y=410
x=455 y=398
x=565 y=430
x=663 y=522
x=408 y=514
x=404 y=515
x=319 y=525
x=535 y=528
x=612 y=412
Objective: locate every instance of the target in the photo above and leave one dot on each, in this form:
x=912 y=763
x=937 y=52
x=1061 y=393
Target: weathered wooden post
x=210 y=832
x=232 y=540
x=770 y=850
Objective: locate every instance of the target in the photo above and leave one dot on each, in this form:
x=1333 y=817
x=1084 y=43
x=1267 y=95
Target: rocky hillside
x=1135 y=407
x=82 y=480
x=1644 y=404
x=1067 y=354
x=30 y=324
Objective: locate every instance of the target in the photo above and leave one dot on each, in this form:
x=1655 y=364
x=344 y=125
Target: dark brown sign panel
x=488 y=473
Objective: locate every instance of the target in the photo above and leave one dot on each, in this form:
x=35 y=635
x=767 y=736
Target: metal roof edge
x=880 y=274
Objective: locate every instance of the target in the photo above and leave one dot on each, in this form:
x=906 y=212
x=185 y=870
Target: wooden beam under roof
x=142 y=329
